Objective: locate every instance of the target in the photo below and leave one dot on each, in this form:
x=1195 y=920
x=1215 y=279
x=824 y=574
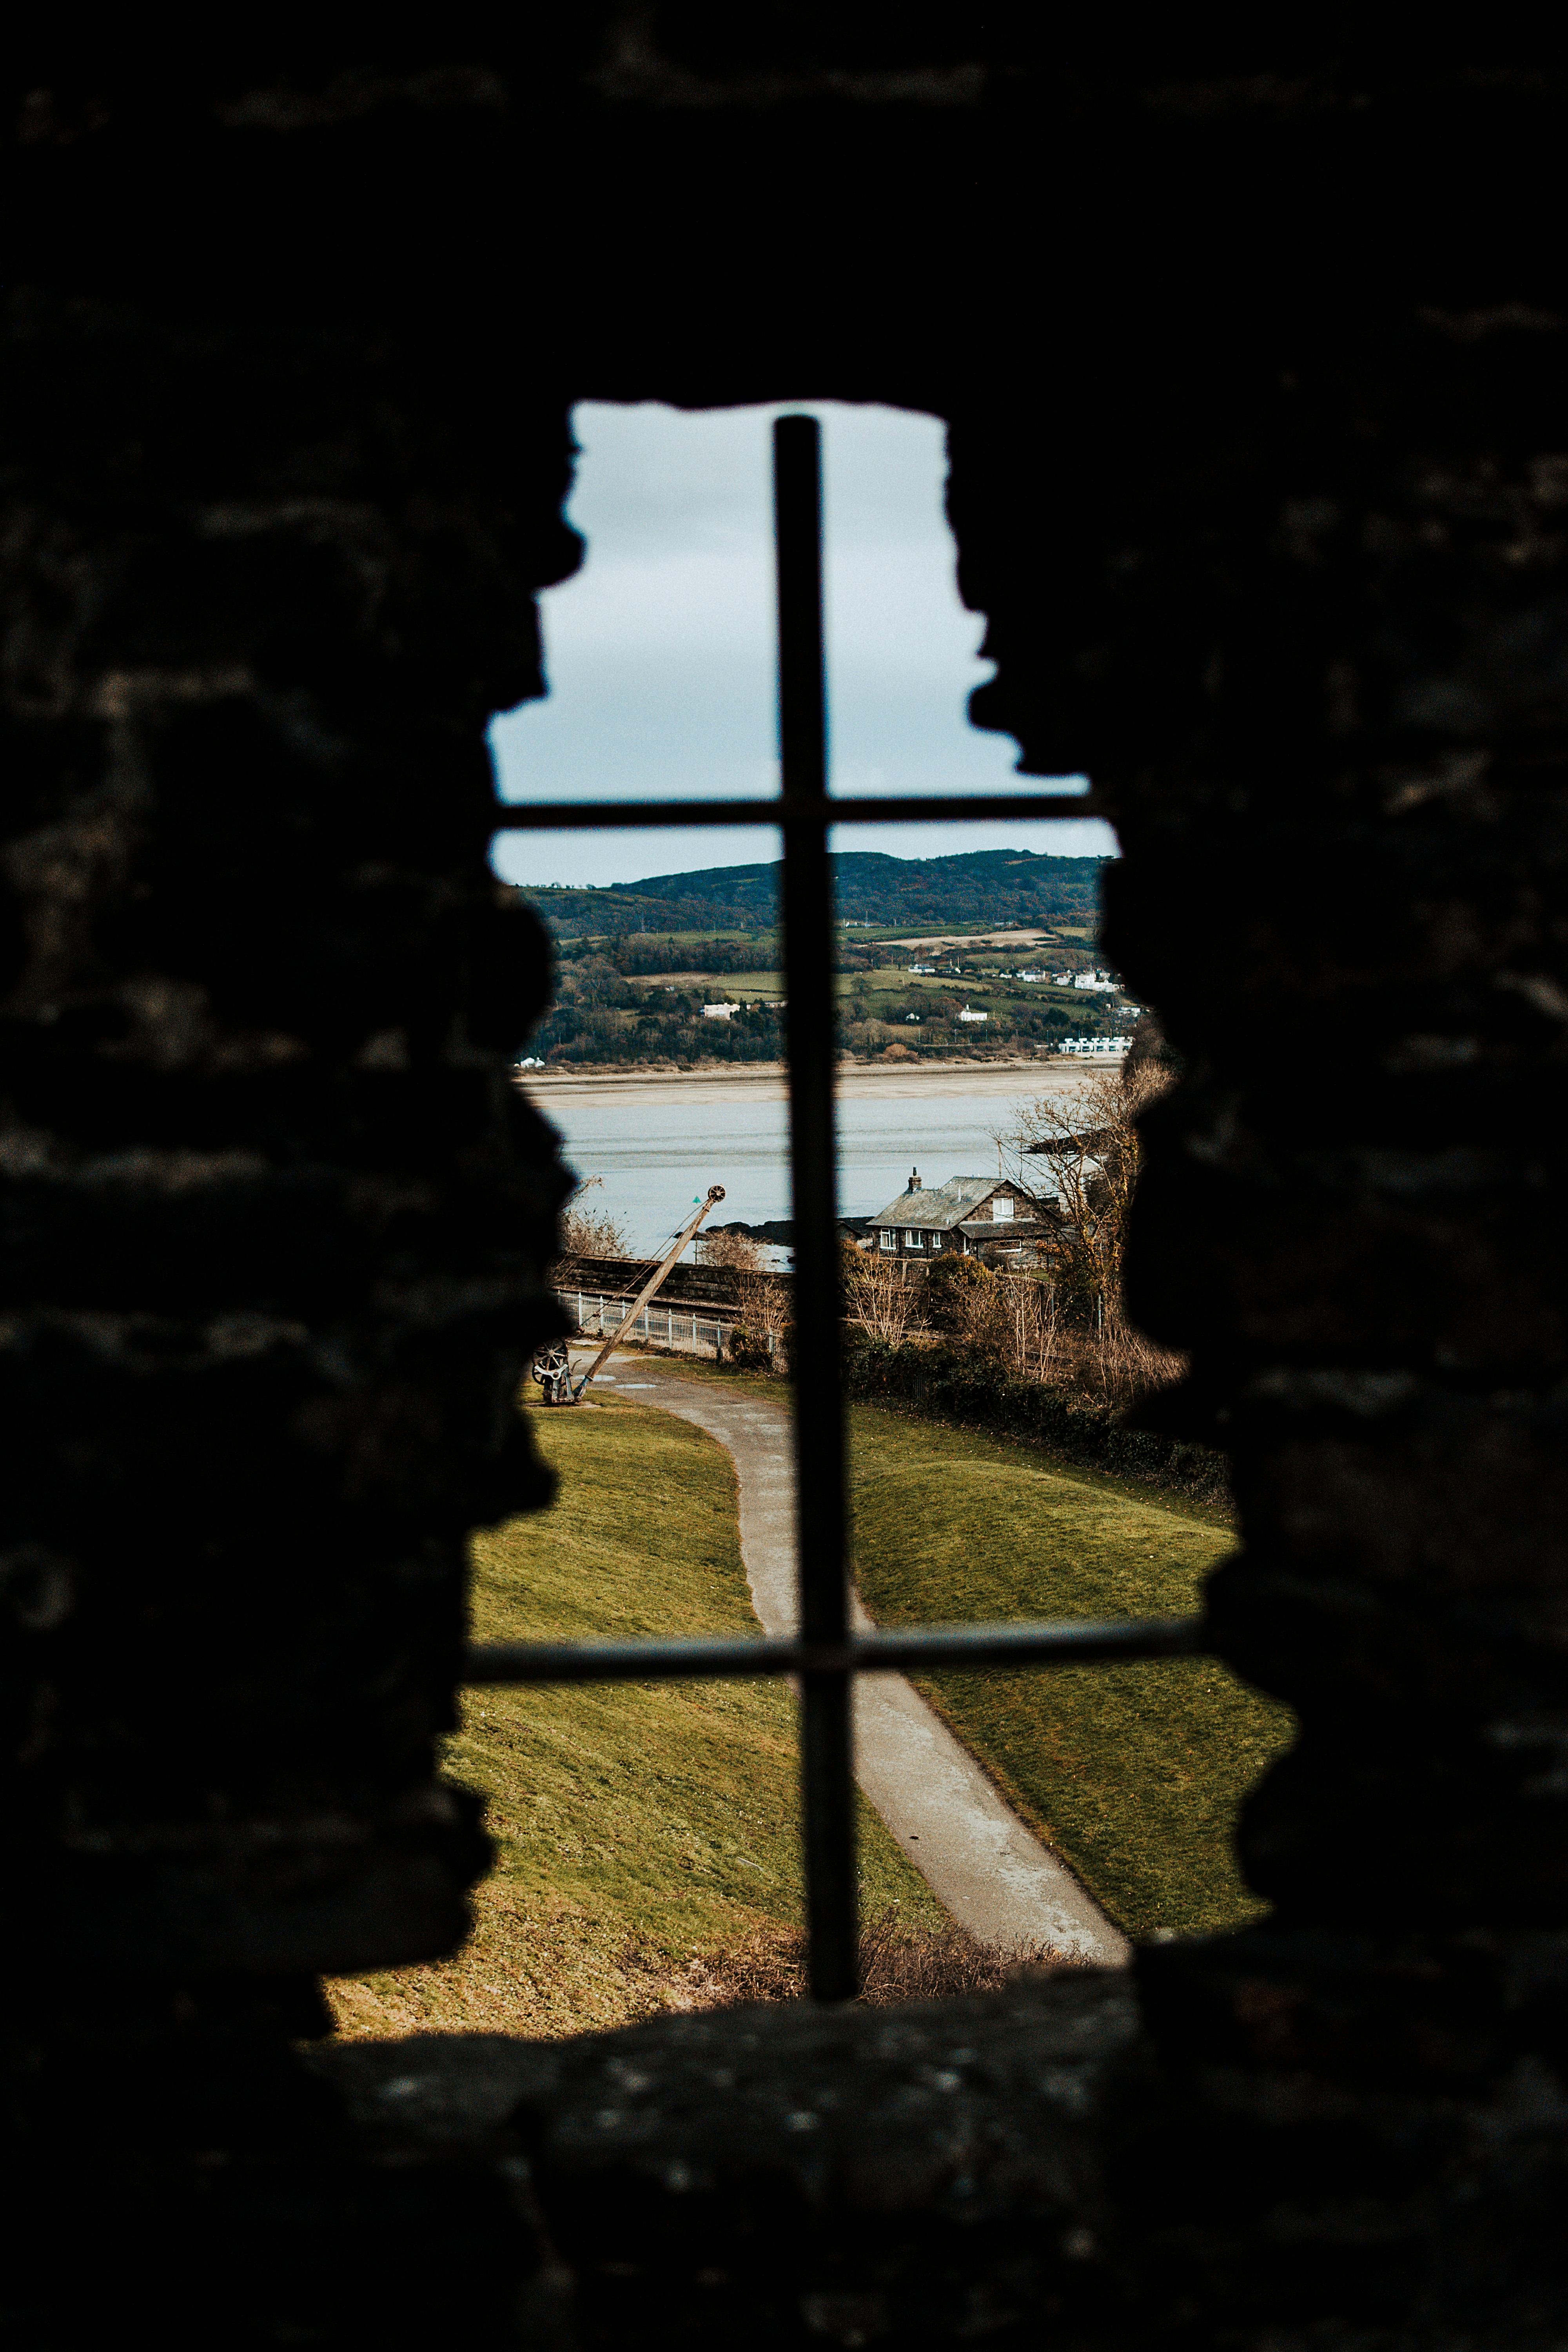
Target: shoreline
x=852 y=1076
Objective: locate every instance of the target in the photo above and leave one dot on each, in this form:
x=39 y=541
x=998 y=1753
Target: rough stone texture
x=1251 y=341
x=277 y=1227
x=183 y=2179
x=277 y=1216
x=926 y=2175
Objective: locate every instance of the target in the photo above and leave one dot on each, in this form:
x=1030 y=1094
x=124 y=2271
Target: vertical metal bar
x=827 y=1750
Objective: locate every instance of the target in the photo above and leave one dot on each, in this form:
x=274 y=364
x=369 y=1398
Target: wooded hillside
x=982 y=885
x=636 y=963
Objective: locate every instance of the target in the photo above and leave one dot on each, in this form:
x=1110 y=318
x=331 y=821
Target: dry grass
x=898 y=1962
x=554 y=1972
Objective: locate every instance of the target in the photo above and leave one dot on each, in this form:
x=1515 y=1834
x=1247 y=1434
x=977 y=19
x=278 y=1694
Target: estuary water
x=656 y=1143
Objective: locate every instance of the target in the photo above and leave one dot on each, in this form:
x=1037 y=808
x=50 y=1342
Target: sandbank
x=884 y=1081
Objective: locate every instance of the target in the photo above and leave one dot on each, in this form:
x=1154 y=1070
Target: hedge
x=955 y=1385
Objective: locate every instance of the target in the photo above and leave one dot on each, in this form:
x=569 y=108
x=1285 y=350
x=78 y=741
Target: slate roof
x=942 y=1207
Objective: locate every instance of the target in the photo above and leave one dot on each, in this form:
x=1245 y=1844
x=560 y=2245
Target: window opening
x=826 y=1654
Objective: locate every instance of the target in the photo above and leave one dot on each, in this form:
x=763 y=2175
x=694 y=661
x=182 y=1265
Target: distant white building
x=1101 y=981
x=718 y=1012
x=1100 y=1047
x=967 y=1015
x=922 y=970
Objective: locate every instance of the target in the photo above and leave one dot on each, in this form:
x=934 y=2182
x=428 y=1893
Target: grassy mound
x=643 y=1830
x=1132 y=1773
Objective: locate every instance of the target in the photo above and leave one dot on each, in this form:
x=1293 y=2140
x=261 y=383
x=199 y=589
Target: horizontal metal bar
x=1069 y=1644
x=572 y=816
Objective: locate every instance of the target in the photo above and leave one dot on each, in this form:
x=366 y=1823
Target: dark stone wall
x=1309 y=646
x=1251 y=344
x=1349 y=784
x=277 y=1228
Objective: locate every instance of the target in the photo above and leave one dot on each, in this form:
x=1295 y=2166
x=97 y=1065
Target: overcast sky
x=659 y=654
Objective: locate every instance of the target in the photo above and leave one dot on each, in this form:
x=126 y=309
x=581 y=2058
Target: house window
x=827 y=1653
x=1001 y=1209
x=888 y=1238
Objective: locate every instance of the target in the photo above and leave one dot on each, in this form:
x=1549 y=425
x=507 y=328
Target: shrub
x=749 y=1348
x=954 y=1286
x=973 y=1389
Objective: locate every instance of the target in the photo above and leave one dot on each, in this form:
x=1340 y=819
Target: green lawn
x=751 y=987
x=1133 y=1773
x=636 y=1825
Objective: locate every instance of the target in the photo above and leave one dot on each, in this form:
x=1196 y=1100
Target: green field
x=1133 y=1773
x=890 y=990
x=642 y=1829
x=637 y=1826
x=750 y=987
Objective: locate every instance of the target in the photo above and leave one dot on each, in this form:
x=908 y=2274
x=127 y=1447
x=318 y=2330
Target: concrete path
x=993 y=1874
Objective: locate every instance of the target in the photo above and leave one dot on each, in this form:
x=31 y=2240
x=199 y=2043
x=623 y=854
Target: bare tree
x=583 y=1234
x=761 y=1298
x=1037 y=1343
x=878 y=1293
x=732 y=1252
x=1081 y=1156
x=764 y=1307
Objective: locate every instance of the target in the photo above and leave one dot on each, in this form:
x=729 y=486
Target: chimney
x=914 y=1179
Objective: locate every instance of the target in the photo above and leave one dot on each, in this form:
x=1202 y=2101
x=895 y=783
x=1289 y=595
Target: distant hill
x=980 y=886
x=680 y=969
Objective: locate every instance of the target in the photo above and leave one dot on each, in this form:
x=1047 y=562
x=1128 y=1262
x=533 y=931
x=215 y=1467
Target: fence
x=599 y=1314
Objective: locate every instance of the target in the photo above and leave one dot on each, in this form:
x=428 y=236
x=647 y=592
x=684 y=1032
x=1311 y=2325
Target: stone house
x=977 y=1215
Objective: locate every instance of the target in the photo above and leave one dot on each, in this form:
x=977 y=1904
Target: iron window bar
x=1075 y=1642
x=826 y=1654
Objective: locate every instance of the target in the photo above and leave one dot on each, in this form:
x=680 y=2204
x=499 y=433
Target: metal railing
x=662 y=1324
x=825 y=1654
